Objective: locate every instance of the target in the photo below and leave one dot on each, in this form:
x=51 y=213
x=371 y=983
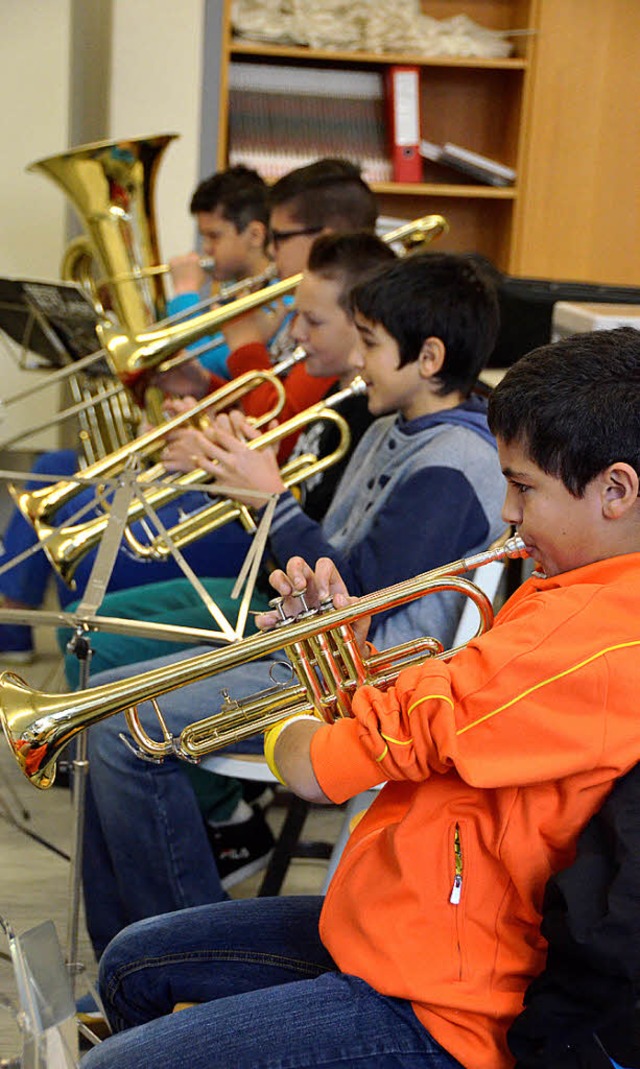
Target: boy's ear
x=431 y=357
x=620 y=489
x=256 y=232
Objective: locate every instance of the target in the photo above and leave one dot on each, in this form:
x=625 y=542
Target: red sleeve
x=247 y=358
x=215 y=382
x=301 y=390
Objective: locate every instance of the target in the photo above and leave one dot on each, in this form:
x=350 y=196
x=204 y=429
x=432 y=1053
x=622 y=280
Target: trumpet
x=66 y=546
x=321 y=647
x=39 y=506
x=133 y=355
x=205 y=263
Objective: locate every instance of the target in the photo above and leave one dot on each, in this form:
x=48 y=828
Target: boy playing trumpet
x=495 y=761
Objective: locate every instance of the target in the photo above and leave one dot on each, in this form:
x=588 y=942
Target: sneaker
x=241 y=849
x=257 y=793
x=16 y=644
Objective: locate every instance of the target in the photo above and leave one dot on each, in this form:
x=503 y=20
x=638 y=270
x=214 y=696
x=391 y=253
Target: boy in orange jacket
x=494 y=761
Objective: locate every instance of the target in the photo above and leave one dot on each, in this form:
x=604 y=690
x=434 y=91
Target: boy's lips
x=531 y=549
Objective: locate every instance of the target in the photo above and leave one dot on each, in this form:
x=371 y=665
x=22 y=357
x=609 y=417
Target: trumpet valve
x=278 y=605
x=305 y=611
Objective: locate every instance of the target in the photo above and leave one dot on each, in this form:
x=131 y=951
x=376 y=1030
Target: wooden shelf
x=478 y=103
x=526 y=111
x=265 y=51
x=437 y=189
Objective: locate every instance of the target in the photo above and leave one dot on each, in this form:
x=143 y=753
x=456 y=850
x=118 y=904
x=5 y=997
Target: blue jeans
x=269 y=995
x=146 y=850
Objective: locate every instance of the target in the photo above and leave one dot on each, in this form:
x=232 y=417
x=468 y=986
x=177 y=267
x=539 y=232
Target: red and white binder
x=403 y=96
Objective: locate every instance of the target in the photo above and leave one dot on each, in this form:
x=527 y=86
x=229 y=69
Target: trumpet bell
x=34 y=737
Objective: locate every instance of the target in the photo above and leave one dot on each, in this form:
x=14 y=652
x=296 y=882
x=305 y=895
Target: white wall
x=34 y=88
x=155 y=50
x=34 y=83
x=156 y=87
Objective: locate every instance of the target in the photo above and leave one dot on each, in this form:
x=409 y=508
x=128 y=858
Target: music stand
x=85 y=619
x=54 y=323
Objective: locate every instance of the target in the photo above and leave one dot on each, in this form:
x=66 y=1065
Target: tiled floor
x=34 y=880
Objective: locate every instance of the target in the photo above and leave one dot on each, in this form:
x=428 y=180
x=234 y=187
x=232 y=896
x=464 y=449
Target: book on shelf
x=281 y=117
x=402 y=86
x=473 y=164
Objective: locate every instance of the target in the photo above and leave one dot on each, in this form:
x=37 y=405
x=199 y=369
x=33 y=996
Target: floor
x=35 y=826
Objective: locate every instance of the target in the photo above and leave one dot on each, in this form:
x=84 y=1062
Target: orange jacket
x=496 y=761
x=301 y=390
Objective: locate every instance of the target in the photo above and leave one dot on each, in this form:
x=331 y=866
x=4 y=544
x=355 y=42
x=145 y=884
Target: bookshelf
x=523 y=111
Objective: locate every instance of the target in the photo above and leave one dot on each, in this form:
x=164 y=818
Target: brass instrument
x=66 y=546
x=39 y=506
x=320 y=644
x=111 y=185
x=133 y=355
x=152 y=348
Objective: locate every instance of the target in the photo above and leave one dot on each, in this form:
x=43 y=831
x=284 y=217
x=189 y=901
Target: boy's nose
x=356 y=358
x=511 y=510
x=297 y=330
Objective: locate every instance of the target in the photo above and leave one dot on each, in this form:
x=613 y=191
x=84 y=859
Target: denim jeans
x=269 y=995
x=146 y=850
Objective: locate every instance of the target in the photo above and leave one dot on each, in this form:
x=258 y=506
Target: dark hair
x=239 y=193
x=437 y=295
x=347 y=259
x=574 y=405
x=328 y=193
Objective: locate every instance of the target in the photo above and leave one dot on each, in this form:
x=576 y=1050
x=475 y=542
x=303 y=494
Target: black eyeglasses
x=276 y=237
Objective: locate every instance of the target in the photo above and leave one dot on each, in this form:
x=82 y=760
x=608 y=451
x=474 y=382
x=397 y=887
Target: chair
x=253 y=767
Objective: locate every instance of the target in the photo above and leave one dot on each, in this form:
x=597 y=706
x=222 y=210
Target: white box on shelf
x=578 y=317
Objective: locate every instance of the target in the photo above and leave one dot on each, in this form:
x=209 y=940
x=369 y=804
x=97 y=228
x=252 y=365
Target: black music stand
x=54 y=323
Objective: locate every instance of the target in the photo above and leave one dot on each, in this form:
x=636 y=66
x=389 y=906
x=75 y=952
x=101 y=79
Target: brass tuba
x=111 y=185
x=319 y=643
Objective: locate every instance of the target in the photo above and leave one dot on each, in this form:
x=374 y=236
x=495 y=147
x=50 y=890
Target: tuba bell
x=111 y=185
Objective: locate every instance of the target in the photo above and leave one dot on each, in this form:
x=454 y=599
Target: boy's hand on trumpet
x=185 y=450
x=187 y=275
x=232 y=463
x=288 y=744
x=320 y=585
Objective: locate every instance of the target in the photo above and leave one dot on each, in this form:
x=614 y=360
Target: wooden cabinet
x=540 y=111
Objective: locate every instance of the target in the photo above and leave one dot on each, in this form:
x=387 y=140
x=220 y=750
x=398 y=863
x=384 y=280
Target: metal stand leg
x=80 y=645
